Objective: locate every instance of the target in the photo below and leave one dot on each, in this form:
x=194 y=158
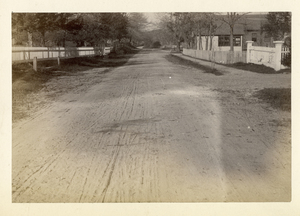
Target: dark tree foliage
x=278 y=24
x=48 y=29
x=156 y=44
x=114 y=25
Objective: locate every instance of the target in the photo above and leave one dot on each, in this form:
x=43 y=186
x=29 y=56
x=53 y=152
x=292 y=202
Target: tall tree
x=114 y=25
x=82 y=28
x=199 y=26
x=41 y=23
x=210 y=26
x=166 y=36
x=278 y=24
x=137 y=22
x=66 y=24
x=175 y=25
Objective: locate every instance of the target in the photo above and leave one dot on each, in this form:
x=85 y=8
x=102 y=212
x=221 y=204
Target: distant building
x=247 y=28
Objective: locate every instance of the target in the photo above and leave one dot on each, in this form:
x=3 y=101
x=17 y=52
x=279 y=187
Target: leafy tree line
x=93 y=29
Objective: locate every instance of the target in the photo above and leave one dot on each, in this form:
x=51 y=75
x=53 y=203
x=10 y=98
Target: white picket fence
x=223 y=57
x=20 y=54
x=284 y=52
x=268 y=56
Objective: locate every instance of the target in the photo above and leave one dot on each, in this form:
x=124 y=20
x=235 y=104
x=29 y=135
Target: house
x=247 y=28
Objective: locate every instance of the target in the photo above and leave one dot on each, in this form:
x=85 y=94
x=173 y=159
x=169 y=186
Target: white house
x=246 y=29
x=220 y=43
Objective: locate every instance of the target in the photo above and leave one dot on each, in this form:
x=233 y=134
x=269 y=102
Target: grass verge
x=278 y=98
x=26 y=83
x=181 y=61
x=257 y=68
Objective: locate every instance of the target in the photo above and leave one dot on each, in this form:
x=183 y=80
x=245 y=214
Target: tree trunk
x=64 y=39
x=206 y=44
x=210 y=45
x=178 y=45
x=231 y=38
x=209 y=34
x=200 y=44
x=43 y=38
x=200 y=41
x=29 y=39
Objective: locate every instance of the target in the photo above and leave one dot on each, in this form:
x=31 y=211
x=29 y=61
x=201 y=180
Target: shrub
x=156 y=44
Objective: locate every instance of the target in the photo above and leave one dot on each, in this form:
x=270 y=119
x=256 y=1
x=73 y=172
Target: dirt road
x=152 y=131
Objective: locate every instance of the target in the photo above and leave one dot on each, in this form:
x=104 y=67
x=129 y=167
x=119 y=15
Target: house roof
x=223 y=29
x=251 y=22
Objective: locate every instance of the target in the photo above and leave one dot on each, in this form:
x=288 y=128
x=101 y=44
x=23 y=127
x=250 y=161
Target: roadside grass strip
x=185 y=62
x=278 y=98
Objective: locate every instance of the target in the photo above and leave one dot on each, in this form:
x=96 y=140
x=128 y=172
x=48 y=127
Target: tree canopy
x=184 y=27
x=278 y=24
x=53 y=29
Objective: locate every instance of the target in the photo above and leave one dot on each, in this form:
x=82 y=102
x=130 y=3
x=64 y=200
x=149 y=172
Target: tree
x=164 y=34
x=137 y=22
x=65 y=24
x=18 y=34
x=119 y=26
x=210 y=26
x=175 y=25
x=114 y=25
x=82 y=28
x=23 y=22
x=231 y=19
x=42 y=23
x=278 y=24
x=186 y=26
x=199 y=26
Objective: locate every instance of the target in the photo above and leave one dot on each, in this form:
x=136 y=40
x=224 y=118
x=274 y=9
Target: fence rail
x=224 y=57
x=20 y=54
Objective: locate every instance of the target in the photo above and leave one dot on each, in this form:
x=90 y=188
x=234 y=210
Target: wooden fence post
x=35 y=63
x=58 y=61
x=278 y=47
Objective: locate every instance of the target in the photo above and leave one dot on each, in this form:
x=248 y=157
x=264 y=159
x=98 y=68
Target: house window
x=254 y=37
x=237 y=40
x=225 y=40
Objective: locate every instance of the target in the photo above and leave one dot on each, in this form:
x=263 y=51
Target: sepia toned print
x=183 y=107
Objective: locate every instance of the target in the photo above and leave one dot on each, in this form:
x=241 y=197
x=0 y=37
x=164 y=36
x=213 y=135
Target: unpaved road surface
x=153 y=131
